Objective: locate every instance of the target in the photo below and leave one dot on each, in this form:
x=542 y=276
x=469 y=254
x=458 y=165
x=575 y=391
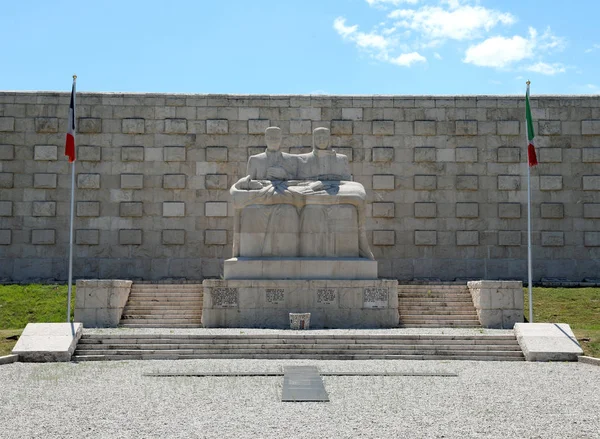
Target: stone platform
x=300 y=268
x=332 y=303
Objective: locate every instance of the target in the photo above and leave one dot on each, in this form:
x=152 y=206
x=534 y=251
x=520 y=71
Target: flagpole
x=72 y=217
x=529 y=276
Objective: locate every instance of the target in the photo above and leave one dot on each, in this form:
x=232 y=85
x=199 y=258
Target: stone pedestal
x=499 y=304
x=300 y=268
x=331 y=303
x=100 y=303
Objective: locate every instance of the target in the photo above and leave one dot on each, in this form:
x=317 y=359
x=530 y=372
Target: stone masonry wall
x=445 y=177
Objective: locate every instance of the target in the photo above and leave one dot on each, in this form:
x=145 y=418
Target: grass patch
x=8 y=338
x=579 y=307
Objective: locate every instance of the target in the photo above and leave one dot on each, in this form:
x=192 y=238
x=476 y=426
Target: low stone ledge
x=48 y=342
x=547 y=342
x=8 y=359
x=99 y=303
x=499 y=304
x=584 y=359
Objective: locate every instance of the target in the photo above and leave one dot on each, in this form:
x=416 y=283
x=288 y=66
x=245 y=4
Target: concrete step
x=437 y=325
x=179 y=317
x=177 y=296
x=131 y=324
x=451 y=316
x=188 y=303
x=165 y=309
x=437 y=311
x=151 y=323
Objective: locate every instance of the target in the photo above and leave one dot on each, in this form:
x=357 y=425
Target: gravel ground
x=114 y=400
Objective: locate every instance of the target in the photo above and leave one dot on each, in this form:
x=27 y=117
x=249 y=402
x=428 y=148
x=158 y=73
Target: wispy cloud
x=390 y=2
x=546 y=69
x=591 y=49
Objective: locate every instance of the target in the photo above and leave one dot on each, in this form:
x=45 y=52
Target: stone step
x=184 y=311
x=426 y=300
x=131 y=324
x=452 y=316
x=170 y=296
x=437 y=310
x=187 y=303
x=304 y=335
x=166 y=317
x=138 y=286
x=151 y=322
x=437 y=325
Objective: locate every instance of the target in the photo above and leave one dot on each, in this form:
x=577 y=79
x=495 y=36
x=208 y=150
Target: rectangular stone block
x=425 y=210
x=88 y=181
x=217 y=126
x=300 y=127
x=48 y=342
x=131 y=209
x=509 y=182
x=425 y=182
x=46 y=125
x=383 y=182
x=425 y=237
x=591 y=239
x=6 y=208
x=132 y=181
x=173 y=237
x=89 y=153
x=6 y=180
x=467 y=182
x=45 y=152
x=552 y=210
x=87 y=237
x=216 y=154
x=425 y=154
x=509 y=155
x=173 y=208
x=130 y=237
x=341 y=127
x=404 y=128
x=508 y=128
x=43 y=237
x=591 y=182
x=549 y=127
x=509 y=210
x=466 y=127
x=7 y=123
x=591 y=210
x=215 y=237
x=425 y=128
x=551 y=182
x=384 y=237
x=383 y=154
x=383 y=210
x=174 y=181
x=133 y=126
x=176 y=126
x=88 y=208
x=467 y=210
x=553 y=239
x=588 y=127
x=467 y=237
x=549 y=155
x=89 y=125
x=509 y=238
x=215 y=181
x=352 y=113
x=43 y=208
x=215 y=208
x=5 y=236
x=258 y=126
x=383 y=127
x=466 y=154
x=7 y=152
x=174 y=153
x=345 y=150
x=132 y=154
x=590 y=155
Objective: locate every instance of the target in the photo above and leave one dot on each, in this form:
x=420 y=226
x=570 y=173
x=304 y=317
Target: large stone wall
x=445 y=176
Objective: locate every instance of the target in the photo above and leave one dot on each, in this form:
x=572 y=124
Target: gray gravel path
x=114 y=400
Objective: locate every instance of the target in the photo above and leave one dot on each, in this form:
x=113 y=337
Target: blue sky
x=303 y=46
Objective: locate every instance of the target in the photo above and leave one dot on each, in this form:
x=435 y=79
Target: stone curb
x=7 y=359
x=589 y=360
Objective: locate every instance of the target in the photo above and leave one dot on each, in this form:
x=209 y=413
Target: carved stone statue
x=301 y=206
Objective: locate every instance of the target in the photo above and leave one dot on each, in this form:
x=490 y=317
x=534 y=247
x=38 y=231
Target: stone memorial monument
x=299 y=245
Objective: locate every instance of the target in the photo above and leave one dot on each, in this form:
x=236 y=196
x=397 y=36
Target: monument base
x=331 y=303
x=300 y=268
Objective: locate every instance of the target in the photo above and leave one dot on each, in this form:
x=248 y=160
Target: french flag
x=70 y=143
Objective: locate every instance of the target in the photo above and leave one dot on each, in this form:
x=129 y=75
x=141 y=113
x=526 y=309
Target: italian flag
x=70 y=143
x=532 y=158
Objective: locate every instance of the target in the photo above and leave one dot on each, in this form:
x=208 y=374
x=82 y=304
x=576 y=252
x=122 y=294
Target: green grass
x=579 y=307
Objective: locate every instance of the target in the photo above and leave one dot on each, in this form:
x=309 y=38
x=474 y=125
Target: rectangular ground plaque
x=375 y=298
x=224 y=297
x=303 y=383
x=274 y=296
x=326 y=296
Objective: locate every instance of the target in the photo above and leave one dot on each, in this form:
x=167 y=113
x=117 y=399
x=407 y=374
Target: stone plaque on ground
x=303 y=383
x=375 y=297
x=224 y=297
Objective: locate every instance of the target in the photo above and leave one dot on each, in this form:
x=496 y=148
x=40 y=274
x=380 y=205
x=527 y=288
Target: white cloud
x=390 y=2
x=407 y=59
x=437 y=55
x=339 y=24
x=363 y=40
x=591 y=49
x=502 y=52
x=546 y=69
x=459 y=22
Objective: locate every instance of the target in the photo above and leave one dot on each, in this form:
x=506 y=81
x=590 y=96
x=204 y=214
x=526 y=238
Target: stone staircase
x=436 y=306
x=163 y=306
x=299 y=345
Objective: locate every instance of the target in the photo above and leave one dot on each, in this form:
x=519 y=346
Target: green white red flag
x=532 y=158
x=70 y=142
